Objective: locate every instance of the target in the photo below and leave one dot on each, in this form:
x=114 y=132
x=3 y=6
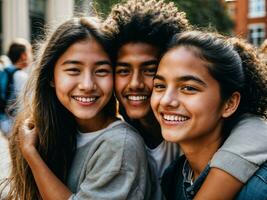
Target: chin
x=84 y=116
x=136 y=115
x=170 y=136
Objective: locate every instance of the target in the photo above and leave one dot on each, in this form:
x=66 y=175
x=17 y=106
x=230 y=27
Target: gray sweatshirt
x=244 y=150
x=112 y=165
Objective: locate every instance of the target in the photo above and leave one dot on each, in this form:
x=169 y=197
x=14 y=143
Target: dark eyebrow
x=191 y=78
x=123 y=64
x=150 y=62
x=183 y=79
x=158 y=77
x=71 y=62
x=103 y=62
x=76 y=62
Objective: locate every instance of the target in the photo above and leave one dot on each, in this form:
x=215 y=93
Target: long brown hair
x=55 y=124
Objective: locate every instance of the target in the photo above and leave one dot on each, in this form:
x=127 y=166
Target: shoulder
x=20 y=74
x=118 y=142
x=121 y=135
x=251 y=123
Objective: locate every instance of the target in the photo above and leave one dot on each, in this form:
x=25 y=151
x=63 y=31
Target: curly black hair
x=254 y=92
x=148 y=21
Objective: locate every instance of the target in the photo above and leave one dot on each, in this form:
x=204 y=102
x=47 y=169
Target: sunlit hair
x=146 y=21
x=235 y=65
x=263 y=47
x=55 y=124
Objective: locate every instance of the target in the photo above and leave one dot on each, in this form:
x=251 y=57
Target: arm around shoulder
x=237 y=160
x=244 y=150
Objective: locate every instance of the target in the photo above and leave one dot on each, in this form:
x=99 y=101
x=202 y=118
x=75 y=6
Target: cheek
x=62 y=84
x=107 y=85
x=120 y=83
x=61 y=80
x=155 y=101
x=149 y=83
x=203 y=105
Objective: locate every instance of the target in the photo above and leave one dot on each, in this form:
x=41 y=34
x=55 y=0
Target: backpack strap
x=6 y=86
x=10 y=72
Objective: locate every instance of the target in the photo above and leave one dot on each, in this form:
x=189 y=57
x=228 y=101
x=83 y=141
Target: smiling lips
x=174 y=118
x=137 y=98
x=85 y=99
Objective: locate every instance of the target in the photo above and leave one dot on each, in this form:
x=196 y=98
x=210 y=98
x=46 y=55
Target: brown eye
x=150 y=71
x=72 y=70
x=103 y=72
x=159 y=86
x=122 y=72
x=189 y=89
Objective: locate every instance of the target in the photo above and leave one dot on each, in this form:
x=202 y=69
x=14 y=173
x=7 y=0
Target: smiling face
x=135 y=69
x=186 y=98
x=83 y=81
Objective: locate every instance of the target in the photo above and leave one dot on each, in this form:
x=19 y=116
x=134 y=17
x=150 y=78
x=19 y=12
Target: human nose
x=170 y=98
x=87 y=82
x=136 y=81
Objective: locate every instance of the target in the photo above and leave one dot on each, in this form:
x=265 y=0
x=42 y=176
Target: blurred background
x=27 y=18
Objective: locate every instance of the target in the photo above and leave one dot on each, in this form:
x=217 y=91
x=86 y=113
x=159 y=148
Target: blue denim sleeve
x=256 y=187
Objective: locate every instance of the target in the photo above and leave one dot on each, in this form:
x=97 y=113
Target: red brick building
x=250 y=17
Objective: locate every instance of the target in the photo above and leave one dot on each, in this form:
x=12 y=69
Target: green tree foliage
x=104 y=6
x=206 y=13
x=201 y=13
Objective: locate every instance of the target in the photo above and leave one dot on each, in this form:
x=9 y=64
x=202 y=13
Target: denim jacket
x=176 y=185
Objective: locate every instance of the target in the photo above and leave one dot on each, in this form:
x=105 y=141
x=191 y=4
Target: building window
x=256 y=8
x=256 y=34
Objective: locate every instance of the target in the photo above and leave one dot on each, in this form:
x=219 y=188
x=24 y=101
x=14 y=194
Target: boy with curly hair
x=140 y=30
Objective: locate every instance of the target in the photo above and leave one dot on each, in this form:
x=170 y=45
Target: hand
x=27 y=137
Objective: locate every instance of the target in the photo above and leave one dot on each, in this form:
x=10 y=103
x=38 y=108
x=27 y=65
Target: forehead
x=90 y=46
x=138 y=50
x=88 y=50
x=183 y=61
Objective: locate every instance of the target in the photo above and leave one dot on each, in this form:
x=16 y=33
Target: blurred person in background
x=13 y=78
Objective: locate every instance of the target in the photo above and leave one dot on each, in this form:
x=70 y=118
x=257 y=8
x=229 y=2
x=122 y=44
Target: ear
x=231 y=105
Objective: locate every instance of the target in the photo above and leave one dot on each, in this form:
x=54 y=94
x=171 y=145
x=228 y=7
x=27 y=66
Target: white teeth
x=85 y=99
x=137 y=98
x=175 y=118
